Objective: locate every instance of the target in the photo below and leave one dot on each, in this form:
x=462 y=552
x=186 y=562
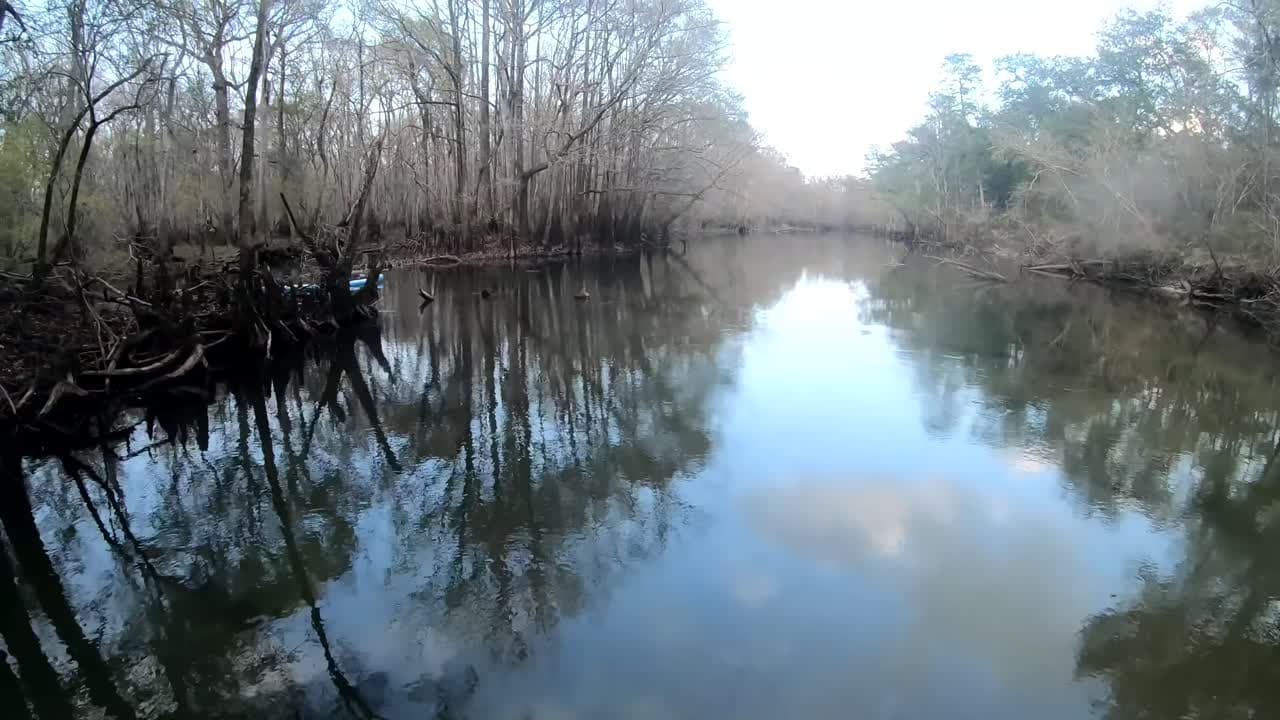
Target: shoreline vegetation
x=1231 y=285
x=91 y=343
x=87 y=343
x=211 y=184
x=142 y=142
x=178 y=180
x=1152 y=163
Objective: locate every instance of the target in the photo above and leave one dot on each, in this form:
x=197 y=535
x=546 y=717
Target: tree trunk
x=517 y=121
x=69 y=241
x=222 y=116
x=486 y=149
x=424 y=114
x=248 y=229
x=282 y=155
x=459 y=130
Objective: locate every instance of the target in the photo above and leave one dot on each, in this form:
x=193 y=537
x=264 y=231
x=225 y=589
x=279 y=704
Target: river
x=777 y=477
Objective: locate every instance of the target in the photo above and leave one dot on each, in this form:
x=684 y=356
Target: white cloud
x=1008 y=589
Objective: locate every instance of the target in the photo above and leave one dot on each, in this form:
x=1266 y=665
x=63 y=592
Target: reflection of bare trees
x=1117 y=389
x=523 y=448
x=28 y=548
x=1204 y=641
x=551 y=419
x=47 y=695
x=509 y=455
x=1156 y=410
x=349 y=696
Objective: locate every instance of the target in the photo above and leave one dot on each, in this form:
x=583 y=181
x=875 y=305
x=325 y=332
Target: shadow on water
x=396 y=523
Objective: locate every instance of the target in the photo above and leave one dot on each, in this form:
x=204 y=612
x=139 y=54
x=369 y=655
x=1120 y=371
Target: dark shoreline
x=61 y=393
x=62 y=402
x=1222 y=286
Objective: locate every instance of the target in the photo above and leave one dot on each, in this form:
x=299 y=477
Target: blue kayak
x=353 y=284
x=357 y=283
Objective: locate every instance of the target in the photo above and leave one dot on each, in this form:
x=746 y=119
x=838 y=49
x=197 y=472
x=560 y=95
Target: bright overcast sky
x=827 y=80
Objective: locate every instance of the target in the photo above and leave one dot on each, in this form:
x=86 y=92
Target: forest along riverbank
x=387 y=149
x=76 y=340
x=1151 y=162
x=465 y=131
x=82 y=346
x=84 y=342
x=79 y=338
x=1232 y=286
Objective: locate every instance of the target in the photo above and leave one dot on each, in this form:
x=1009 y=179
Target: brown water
x=774 y=479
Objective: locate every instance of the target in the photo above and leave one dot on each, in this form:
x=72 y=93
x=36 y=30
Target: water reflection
x=966 y=576
x=769 y=479
x=1162 y=411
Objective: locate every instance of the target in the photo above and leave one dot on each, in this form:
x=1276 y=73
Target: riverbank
x=1235 y=284
x=86 y=345
x=83 y=344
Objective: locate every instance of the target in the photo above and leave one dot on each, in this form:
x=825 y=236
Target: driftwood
x=1050 y=269
x=111 y=372
x=149 y=340
x=440 y=260
x=196 y=356
x=1048 y=273
x=976 y=272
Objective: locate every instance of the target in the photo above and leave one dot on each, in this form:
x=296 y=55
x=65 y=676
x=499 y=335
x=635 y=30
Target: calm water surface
x=773 y=479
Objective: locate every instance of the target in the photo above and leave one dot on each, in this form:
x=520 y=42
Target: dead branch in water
x=440 y=260
x=196 y=356
x=976 y=272
x=62 y=388
x=111 y=371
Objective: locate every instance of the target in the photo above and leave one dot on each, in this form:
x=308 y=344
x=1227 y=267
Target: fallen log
x=1050 y=273
x=976 y=272
x=1169 y=291
x=1052 y=268
x=440 y=260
